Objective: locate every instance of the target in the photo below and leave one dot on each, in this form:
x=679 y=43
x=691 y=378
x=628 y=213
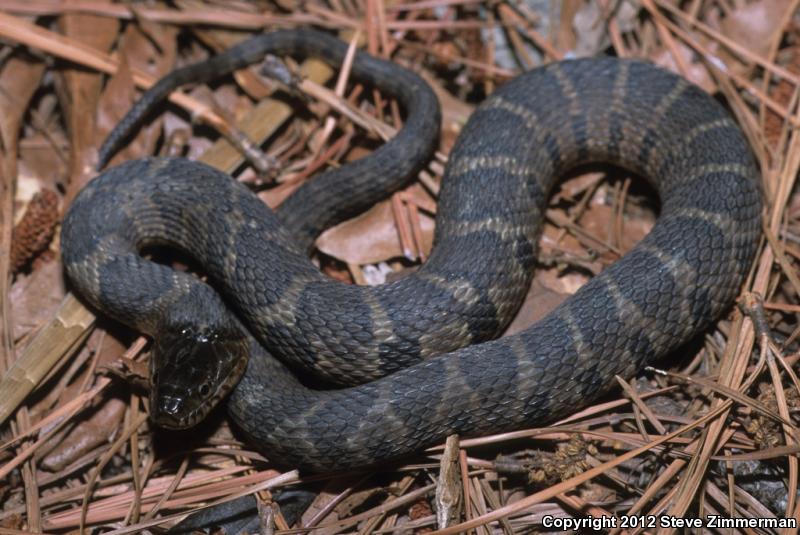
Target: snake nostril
x=170 y=405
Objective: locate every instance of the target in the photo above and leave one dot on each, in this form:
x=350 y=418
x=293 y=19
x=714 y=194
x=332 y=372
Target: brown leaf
x=19 y=79
x=102 y=349
x=80 y=89
x=93 y=431
x=247 y=79
x=565 y=36
x=137 y=50
x=118 y=96
x=572 y=188
x=551 y=286
x=225 y=100
x=561 y=283
x=697 y=72
x=150 y=47
x=591 y=37
x=372 y=237
x=35 y=298
x=273 y=197
x=455 y=112
x=42 y=161
x=539 y=301
x=753 y=25
x=599 y=219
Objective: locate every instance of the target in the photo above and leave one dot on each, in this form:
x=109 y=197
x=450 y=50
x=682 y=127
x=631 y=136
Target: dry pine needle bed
x=711 y=432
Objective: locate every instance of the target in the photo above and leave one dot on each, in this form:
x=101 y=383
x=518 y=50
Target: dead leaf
x=96 y=429
x=273 y=197
x=753 y=26
x=572 y=188
x=41 y=165
x=80 y=89
x=35 y=298
x=138 y=50
x=103 y=349
x=455 y=112
x=19 y=79
x=561 y=283
x=372 y=237
x=552 y=285
x=697 y=72
x=591 y=36
x=565 y=38
x=598 y=220
x=539 y=302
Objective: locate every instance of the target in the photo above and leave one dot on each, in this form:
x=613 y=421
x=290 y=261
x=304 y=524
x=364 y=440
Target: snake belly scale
x=672 y=285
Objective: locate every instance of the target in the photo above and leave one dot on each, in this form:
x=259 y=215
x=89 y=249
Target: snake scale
x=417 y=353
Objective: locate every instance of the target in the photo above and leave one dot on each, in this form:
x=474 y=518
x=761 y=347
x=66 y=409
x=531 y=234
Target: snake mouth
x=169 y=412
x=191 y=371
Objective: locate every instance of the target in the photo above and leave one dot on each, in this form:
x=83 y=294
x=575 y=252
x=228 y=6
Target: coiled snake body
x=677 y=280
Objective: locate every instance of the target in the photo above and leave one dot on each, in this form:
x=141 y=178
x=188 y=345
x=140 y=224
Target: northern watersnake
x=529 y=132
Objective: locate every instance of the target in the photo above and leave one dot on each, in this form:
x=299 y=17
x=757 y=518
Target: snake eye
x=204 y=390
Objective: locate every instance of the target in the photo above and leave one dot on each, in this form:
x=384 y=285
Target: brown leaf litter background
x=716 y=434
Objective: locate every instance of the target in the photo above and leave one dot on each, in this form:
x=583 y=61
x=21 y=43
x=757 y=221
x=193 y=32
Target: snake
x=406 y=363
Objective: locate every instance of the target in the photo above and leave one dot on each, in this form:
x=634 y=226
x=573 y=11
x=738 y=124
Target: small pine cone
x=33 y=233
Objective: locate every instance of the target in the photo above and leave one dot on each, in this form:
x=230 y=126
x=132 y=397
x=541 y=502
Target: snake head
x=191 y=370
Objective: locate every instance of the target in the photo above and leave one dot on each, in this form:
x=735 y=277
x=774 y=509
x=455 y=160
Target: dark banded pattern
x=673 y=284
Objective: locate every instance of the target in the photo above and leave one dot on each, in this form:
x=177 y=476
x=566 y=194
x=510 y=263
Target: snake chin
x=191 y=370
